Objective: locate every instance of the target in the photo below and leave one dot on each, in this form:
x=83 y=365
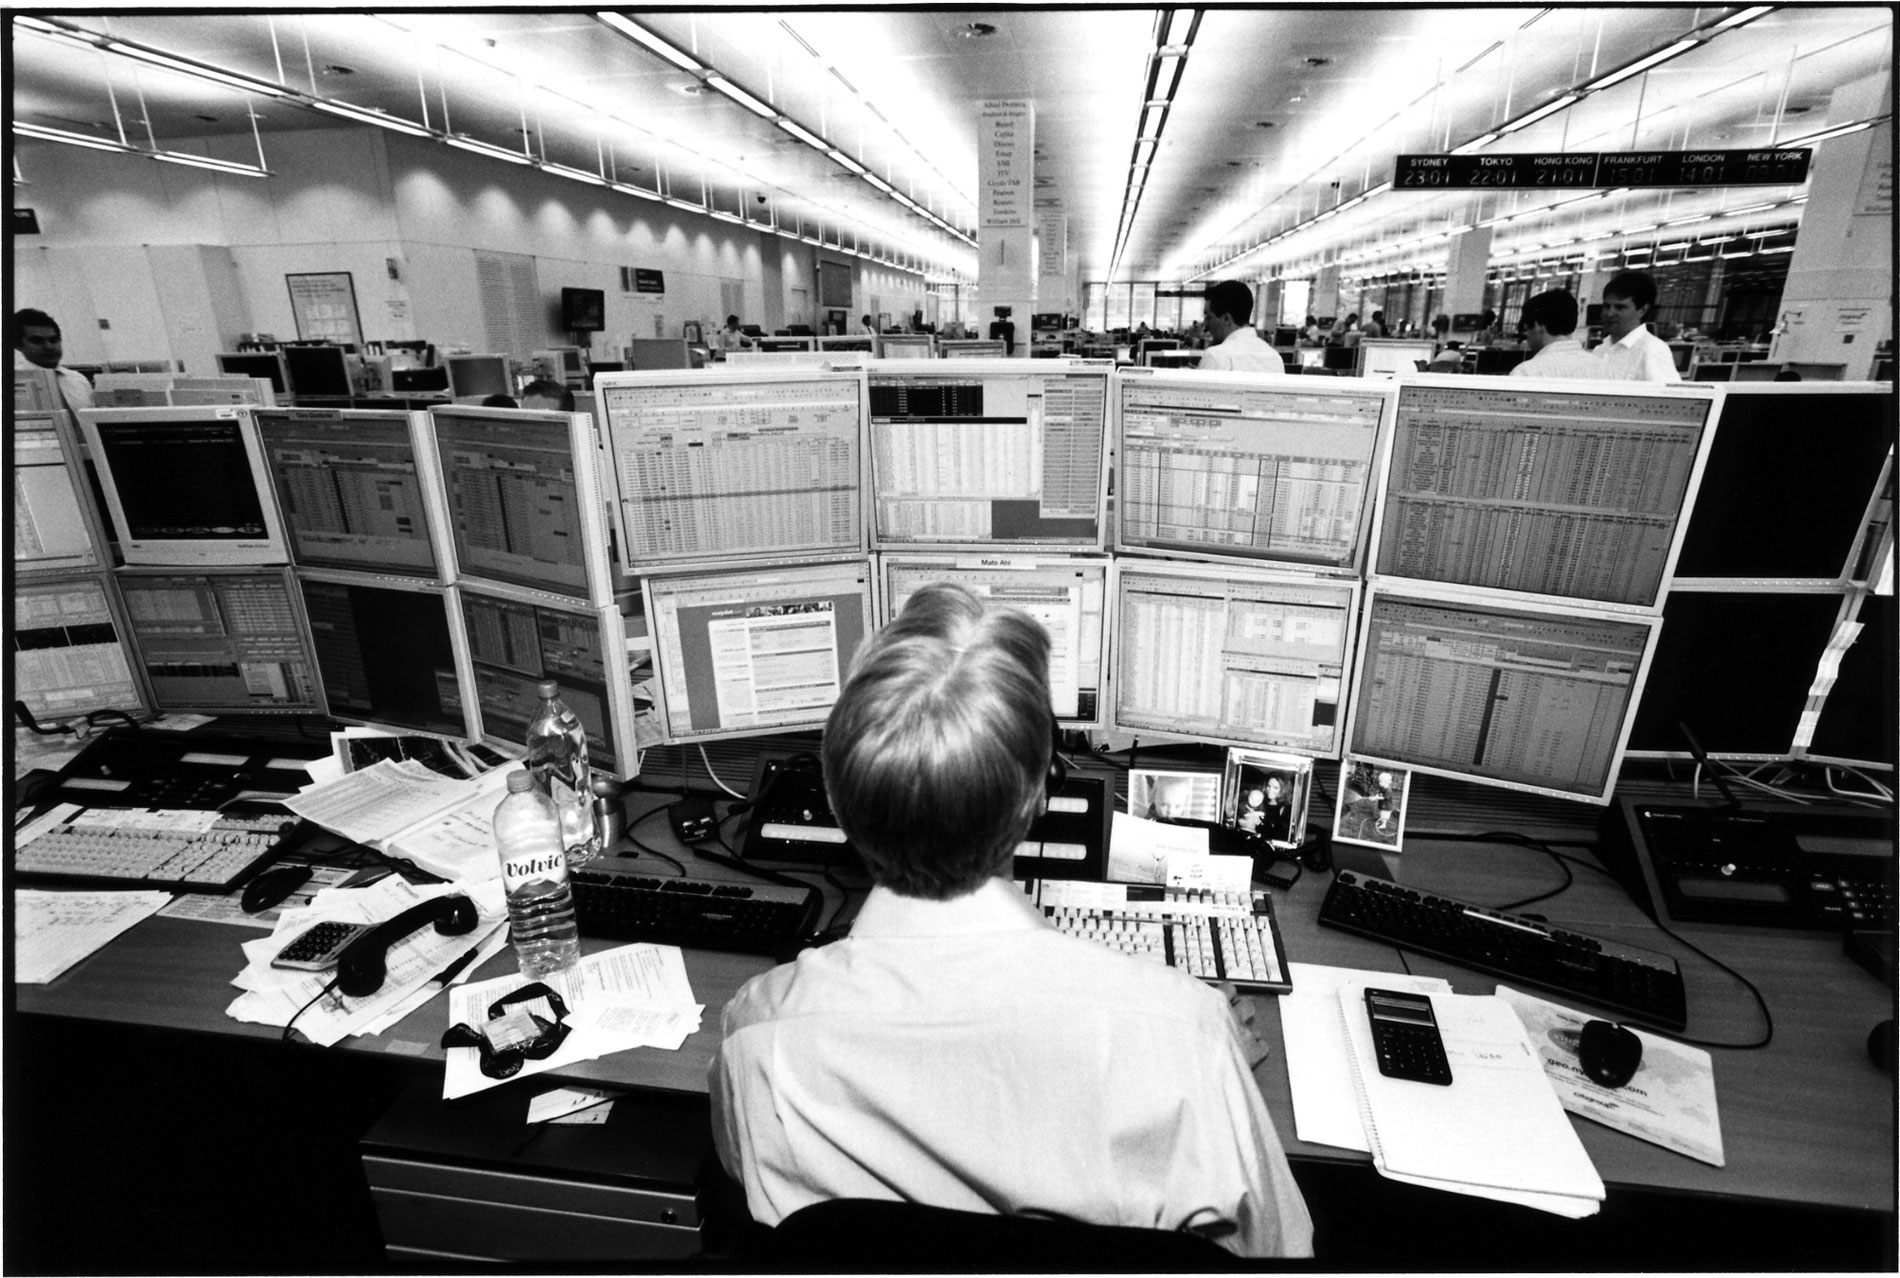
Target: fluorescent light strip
x=363 y=115
x=1737 y=19
x=1826 y=134
x=44 y=134
x=640 y=35
x=803 y=134
x=488 y=149
x=1642 y=64
x=206 y=162
x=743 y=98
x=165 y=61
x=1555 y=104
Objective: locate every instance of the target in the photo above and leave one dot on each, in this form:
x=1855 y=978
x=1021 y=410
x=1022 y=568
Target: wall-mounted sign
x=23 y=222
x=324 y=307
x=1593 y=169
x=1005 y=164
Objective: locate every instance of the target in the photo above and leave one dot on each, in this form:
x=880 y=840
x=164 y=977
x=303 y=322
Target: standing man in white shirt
x=37 y=344
x=1235 y=344
x=956 y=1050
x=1630 y=352
x=1549 y=321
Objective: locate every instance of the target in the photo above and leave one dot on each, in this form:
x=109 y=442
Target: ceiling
x=1279 y=114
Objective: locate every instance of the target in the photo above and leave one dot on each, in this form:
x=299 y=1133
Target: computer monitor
x=1312 y=356
x=1792 y=474
x=186 y=485
x=1498 y=361
x=1253 y=466
x=516 y=641
x=1855 y=724
x=1069 y=596
x=1388 y=357
x=783 y=344
x=419 y=381
x=318 y=372
x=1564 y=491
x=357 y=489
x=265 y=364
x=583 y=310
x=728 y=464
x=55 y=527
x=565 y=365
x=1286 y=335
x=648 y=353
x=1229 y=654
x=1340 y=359
x=70 y=651
x=221 y=641
x=753 y=651
x=1724 y=372
x=906 y=346
x=1527 y=696
x=863 y=344
x=972 y=348
x=996 y=453
x=526 y=504
x=475 y=376
x=390 y=653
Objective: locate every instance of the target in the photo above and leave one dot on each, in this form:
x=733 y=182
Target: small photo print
x=1372 y=800
x=1266 y=795
x=1174 y=796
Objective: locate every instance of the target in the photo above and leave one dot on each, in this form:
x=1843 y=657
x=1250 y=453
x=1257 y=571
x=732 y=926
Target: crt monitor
x=1246 y=465
x=473 y=376
x=1238 y=655
x=745 y=652
x=729 y=463
x=357 y=489
x=186 y=485
x=1560 y=490
x=318 y=372
x=221 y=641
x=389 y=652
x=992 y=453
x=69 y=648
x=1067 y=595
x=1529 y=697
x=265 y=364
x=55 y=527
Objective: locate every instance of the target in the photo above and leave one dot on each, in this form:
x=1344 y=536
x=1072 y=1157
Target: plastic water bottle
x=557 y=759
x=534 y=875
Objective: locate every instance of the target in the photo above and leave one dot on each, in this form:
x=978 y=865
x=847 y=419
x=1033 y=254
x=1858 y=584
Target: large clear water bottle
x=557 y=759
x=534 y=874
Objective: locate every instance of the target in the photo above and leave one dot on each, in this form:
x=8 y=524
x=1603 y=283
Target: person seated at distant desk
x=37 y=343
x=499 y=400
x=1228 y=306
x=1549 y=322
x=731 y=337
x=956 y=1050
x=547 y=395
x=1629 y=351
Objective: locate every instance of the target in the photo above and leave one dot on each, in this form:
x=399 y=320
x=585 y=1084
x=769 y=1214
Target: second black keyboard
x=1633 y=982
x=625 y=904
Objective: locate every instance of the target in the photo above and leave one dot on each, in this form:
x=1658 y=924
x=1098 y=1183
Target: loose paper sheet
x=55 y=930
x=1325 y=1107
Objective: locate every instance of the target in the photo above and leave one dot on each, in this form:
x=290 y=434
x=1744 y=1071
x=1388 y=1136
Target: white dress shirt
x=1639 y=356
x=1244 y=352
x=965 y=1054
x=1564 y=357
x=73 y=386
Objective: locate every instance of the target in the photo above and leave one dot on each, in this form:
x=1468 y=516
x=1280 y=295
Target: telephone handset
x=360 y=968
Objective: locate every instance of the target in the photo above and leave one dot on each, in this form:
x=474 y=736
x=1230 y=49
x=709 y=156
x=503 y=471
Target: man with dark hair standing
x=956 y=1050
x=1549 y=321
x=1630 y=352
x=1235 y=344
x=37 y=344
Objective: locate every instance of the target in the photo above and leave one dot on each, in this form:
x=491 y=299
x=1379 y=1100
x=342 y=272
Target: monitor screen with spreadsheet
x=752 y=651
x=1528 y=697
x=221 y=641
x=524 y=500
x=727 y=465
x=356 y=489
x=1067 y=595
x=55 y=527
x=1224 y=653
x=514 y=643
x=70 y=655
x=999 y=453
x=1248 y=466
x=388 y=653
x=1565 y=491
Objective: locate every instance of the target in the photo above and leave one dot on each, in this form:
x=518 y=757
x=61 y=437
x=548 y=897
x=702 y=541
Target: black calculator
x=318 y=948
x=1405 y=1037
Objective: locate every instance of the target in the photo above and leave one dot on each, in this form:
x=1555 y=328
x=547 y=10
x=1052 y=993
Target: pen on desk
x=454 y=969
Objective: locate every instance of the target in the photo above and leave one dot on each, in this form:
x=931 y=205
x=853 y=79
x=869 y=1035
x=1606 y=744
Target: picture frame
x=1374 y=799
x=1266 y=796
x=323 y=306
x=1174 y=796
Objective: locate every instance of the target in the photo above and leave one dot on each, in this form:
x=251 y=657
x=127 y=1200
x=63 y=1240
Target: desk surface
x=1808 y=1119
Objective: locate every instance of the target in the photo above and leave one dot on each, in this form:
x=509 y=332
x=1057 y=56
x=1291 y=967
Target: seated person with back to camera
x=956 y=1050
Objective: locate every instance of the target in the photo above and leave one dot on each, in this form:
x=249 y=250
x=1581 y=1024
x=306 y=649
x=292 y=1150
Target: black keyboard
x=1635 y=983
x=624 y=904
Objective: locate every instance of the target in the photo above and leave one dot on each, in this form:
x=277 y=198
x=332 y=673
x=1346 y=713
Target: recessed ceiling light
x=976 y=30
x=691 y=89
x=1796 y=110
x=1317 y=61
x=1264 y=124
x=208 y=119
x=337 y=68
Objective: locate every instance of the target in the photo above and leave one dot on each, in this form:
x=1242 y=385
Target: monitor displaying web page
x=186 y=485
x=516 y=641
x=356 y=489
x=389 y=653
x=746 y=652
x=70 y=655
x=1067 y=595
x=524 y=500
x=994 y=453
x=1528 y=697
x=1556 y=490
x=55 y=528
x=1238 y=655
x=221 y=641
x=1249 y=466
x=726 y=465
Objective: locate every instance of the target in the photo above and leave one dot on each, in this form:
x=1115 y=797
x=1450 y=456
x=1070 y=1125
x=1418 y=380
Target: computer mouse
x=1609 y=1053
x=272 y=886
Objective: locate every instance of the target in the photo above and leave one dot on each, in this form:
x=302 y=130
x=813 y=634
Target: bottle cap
x=547 y=687
x=518 y=781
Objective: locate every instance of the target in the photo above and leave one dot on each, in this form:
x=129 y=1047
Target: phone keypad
x=322 y=941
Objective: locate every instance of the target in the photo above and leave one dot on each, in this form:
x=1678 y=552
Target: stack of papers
x=54 y=930
x=440 y=823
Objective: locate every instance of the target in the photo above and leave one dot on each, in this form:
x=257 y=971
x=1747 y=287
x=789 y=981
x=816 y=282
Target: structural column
x=1466 y=261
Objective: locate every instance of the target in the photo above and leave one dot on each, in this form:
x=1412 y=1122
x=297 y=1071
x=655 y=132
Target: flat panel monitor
x=864 y=345
x=1527 y=697
x=221 y=641
x=1003 y=453
x=419 y=381
x=724 y=465
x=318 y=372
x=268 y=365
x=972 y=348
x=1389 y=357
x=1791 y=472
x=1286 y=335
x=1340 y=359
x=515 y=642
x=389 y=653
x=1068 y=596
x=583 y=310
x=474 y=376
x=648 y=353
x=1560 y=490
x=357 y=489
x=754 y=651
x=1249 y=466
x=524 y=499
x=186 y=485
x=1714 y=372
x=70 y=651
x=1856 y=722
x=1312 y=356
x=782 y=345
x=906 y=346
x=55 y=528
x=1238 y=655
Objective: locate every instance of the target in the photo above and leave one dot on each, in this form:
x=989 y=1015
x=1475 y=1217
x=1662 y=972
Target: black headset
x=360 y=968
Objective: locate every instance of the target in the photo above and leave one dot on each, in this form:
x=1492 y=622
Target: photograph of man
x=1371 y=804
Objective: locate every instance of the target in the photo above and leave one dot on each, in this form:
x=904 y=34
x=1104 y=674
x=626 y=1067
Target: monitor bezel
x=300 y=621
x=458 y=645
